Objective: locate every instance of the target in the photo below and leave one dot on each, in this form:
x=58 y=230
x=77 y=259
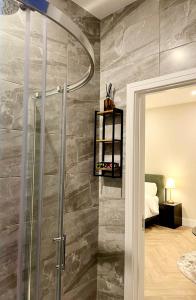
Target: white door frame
x=134 y=175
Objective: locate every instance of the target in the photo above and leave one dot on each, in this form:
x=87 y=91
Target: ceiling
x=103 y=8
x=171 y=97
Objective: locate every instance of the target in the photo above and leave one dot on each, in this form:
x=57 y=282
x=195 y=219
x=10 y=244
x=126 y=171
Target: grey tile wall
x=11 y=97
x=146 y=39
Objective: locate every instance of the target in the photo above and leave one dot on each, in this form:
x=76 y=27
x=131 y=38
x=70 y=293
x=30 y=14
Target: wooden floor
x=163 y=280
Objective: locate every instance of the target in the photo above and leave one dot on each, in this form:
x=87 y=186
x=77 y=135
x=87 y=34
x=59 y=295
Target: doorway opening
x=135 y=204
x=169 y=199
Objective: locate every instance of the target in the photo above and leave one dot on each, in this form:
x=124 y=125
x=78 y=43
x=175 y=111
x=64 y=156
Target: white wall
x=171 y=151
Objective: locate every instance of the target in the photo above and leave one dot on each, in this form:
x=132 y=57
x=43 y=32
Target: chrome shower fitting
x=8 y=7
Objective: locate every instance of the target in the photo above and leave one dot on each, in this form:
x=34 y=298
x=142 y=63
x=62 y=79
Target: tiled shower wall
x=81 y=201
x=146 y=39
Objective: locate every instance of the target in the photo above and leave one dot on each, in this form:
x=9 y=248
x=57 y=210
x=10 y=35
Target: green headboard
x=160 y=182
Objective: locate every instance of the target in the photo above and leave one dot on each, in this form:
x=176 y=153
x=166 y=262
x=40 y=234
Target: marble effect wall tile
x=104 y=296
x=123 y=47
x=9 y=201
x=8 y=259
x=51 y=196
x=177 y=23
x=83 y=112
x=81 y=256
x=79 y=157
x=12 y=60
x=111 y=240
x=110 y=280
x=11 y=101
x=139 y=25
x=52 y=153
x=12 y=63
x=134 y=70
x=86 y=290
x=178 y=59
x=88 y=23
x=77 y=192
x=111 y=212
x=110 y=188
x=10 y=153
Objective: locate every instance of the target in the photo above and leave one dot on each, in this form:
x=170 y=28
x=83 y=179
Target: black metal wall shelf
x=102 y=145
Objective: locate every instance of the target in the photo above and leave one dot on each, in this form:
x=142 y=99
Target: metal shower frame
x=56 y=15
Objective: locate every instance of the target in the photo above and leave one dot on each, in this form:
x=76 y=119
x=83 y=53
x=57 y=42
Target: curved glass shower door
x=42 y=251
x=34 y=35
x=42 y=243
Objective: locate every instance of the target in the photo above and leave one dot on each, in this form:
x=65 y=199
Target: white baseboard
x=188 y=222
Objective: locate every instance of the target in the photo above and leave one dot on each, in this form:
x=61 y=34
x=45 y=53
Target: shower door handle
x=62 y=241
x=63 y=251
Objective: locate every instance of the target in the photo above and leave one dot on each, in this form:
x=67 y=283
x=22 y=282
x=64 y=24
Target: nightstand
x=170 y=215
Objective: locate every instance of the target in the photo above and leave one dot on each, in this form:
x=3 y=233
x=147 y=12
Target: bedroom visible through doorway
x=170 y=189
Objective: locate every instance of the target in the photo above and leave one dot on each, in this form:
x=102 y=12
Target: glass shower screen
x=42 y=242
x=42 y=246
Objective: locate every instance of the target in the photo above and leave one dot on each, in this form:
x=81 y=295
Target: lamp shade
x=170 y=184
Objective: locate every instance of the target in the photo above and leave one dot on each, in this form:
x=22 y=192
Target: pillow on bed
x=150 y=188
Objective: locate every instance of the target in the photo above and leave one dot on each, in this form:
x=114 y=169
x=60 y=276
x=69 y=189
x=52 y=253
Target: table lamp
x=170 y=184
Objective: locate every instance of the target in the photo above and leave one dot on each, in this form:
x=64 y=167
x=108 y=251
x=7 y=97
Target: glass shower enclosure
x=41 y=256
x=42 y=241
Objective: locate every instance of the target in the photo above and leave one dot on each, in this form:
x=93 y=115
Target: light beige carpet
x=187 y=265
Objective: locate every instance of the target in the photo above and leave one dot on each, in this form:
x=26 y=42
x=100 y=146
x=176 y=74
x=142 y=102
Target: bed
x=154 y=194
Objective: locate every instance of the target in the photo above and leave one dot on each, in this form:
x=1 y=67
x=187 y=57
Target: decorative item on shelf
x=106 y=165
x=109 y=102
x=170 y=184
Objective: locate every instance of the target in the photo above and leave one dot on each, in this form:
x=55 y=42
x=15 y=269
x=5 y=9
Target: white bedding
x=150 y=188
x=151 y=206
